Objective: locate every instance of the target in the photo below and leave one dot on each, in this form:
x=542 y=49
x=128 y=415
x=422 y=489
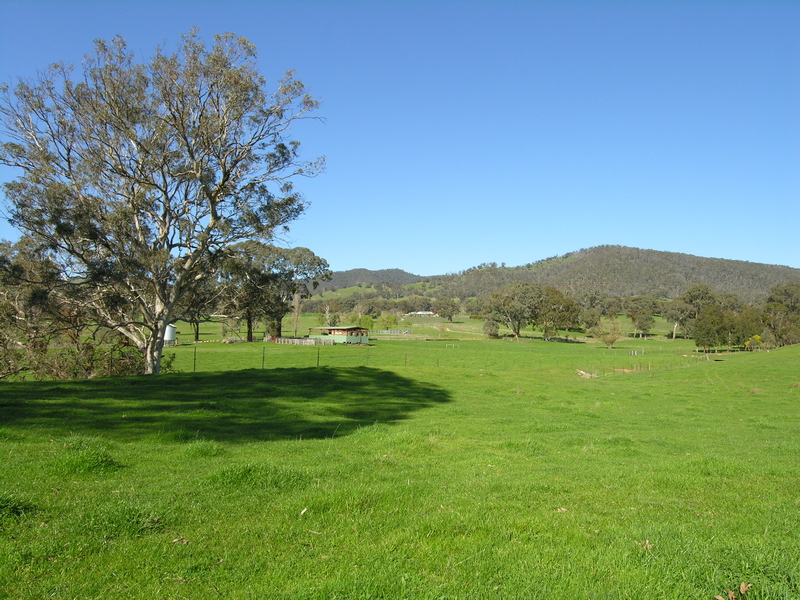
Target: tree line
x=713 y=320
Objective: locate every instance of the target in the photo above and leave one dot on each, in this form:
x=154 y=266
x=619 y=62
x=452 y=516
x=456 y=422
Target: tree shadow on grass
x=230 y=406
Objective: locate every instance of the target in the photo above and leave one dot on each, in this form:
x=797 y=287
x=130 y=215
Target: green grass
x=473 y=469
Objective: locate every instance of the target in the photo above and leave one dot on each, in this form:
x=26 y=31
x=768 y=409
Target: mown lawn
x=408 y=470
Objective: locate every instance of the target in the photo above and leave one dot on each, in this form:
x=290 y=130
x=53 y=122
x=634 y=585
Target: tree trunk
x=153 y=351
x=154 y=345
x=196 y=327
x=249 y=319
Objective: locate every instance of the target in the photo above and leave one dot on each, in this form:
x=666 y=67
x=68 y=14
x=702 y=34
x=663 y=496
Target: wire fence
x=303 y=341
x=575 y=359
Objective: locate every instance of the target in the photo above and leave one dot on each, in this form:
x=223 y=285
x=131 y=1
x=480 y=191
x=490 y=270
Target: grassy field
x=408 y=469
x=419 y=328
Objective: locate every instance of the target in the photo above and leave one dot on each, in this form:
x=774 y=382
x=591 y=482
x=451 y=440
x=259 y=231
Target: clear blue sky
x=458 y=133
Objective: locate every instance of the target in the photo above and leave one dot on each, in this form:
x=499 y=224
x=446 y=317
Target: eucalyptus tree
x=782 y=313
x=640 y=310
x=556 y=311
x=133 y=172
x=711 y=327
x=782 y=325
x=679 y=313
x=788 y=295
x=699 y=296
x=446 y=308
x=259 y=281
x=295 y=271
x=515 y=305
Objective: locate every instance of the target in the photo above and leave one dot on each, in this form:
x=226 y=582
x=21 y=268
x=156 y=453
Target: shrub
x=491 y=328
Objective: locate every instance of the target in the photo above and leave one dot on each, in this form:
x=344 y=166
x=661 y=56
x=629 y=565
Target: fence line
x=303 y=341
x=605 y=364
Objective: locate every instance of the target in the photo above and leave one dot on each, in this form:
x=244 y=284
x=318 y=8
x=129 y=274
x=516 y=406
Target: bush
x=491 y=328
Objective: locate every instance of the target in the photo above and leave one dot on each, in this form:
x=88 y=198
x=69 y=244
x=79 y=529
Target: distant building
x=422 y=313
x=345 y=334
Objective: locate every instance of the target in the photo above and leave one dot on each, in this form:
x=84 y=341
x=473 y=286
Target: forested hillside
x=622 y=271
x=342 y=279
x=607 y=270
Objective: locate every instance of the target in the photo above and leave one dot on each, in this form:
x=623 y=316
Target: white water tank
x=170 y=335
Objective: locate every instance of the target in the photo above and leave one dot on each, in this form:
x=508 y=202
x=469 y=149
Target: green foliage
x=711 y=327
x=590 y=317
x=698 y=297
x=515 y=305
x=679 y=313
x=387 y=321
x=491 y=328
x=640 y=311
x=556 y=311
x=366 y=277
x=257 y=281
x=416 y=303
x=782 y=314
x=330 y=317
x=446 y=308
x=788 y=295
x=720 y=327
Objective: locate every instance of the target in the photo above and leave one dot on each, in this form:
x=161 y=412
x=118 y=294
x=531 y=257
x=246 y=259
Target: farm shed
x=346 y=334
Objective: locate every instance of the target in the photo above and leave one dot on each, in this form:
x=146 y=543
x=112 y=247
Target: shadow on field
x=231 y=406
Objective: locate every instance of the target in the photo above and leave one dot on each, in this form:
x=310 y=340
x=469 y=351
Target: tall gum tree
x=134 y=173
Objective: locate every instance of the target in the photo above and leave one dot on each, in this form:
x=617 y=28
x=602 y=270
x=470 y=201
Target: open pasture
x=481 y=469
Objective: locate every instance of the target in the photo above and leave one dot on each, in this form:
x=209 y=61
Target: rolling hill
x=609 y=270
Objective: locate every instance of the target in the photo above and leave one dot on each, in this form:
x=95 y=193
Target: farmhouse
x=349 y=334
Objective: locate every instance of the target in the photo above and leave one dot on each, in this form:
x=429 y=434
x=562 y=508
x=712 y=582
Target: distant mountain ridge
x=608 y=270
x=625 y=271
